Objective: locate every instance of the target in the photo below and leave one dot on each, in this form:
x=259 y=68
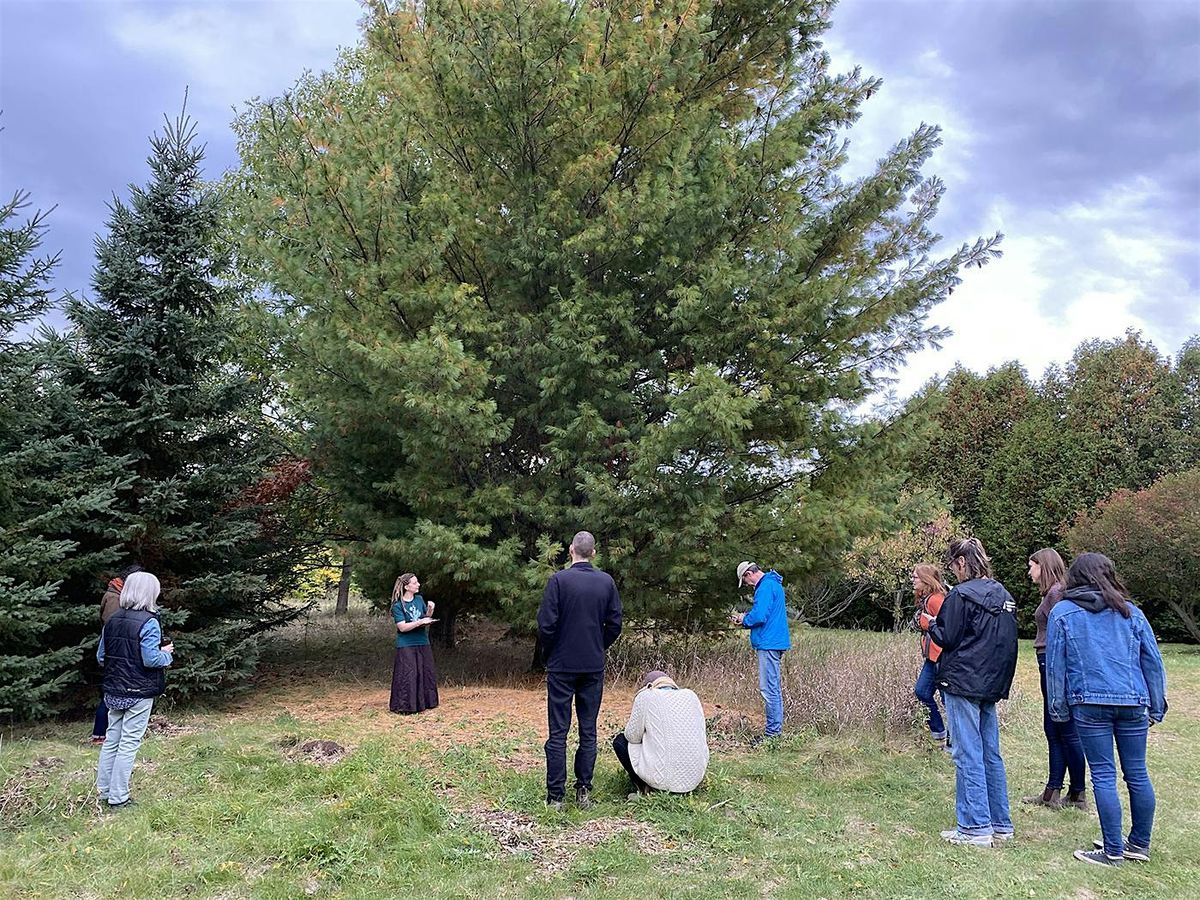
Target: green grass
x=226 y=811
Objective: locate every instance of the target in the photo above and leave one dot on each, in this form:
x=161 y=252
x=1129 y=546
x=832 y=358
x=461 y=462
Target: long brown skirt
x=414 y=680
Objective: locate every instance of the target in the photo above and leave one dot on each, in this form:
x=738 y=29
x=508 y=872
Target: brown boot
x=1048 y=797
x=1075 y=800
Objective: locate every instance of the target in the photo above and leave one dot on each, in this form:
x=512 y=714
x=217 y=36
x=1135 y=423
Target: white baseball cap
x=743 y=567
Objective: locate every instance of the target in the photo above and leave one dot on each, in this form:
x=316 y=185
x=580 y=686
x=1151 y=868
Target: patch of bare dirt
x=554 y=850
x=468 y=715
x=39 y=789
x=318 y=750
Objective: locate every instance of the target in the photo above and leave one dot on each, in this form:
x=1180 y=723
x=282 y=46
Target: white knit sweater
x=668 y=741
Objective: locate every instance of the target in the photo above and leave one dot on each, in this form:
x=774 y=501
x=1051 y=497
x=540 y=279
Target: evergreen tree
x=549 y=266
x=975 y=414
x=157 y=366
x=1030 y=486
x=52 y=488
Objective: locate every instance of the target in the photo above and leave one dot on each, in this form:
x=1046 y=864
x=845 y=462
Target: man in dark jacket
x=976 y=628
x=579 y=619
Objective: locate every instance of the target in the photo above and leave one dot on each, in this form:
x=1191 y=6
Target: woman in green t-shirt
x=414 y=679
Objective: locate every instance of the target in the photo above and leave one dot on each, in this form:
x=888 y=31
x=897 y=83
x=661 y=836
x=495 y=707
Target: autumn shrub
x=1152 y=535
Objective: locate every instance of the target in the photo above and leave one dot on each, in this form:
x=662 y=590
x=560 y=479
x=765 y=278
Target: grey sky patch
x=1063 y=98
x=1071 y=125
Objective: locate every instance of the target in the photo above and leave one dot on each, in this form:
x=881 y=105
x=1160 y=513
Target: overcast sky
x=1073 y=126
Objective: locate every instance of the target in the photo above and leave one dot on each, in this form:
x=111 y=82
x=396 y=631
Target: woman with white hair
x=133 y=656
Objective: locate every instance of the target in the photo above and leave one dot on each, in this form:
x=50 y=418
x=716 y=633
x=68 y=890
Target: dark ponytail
x=1095 y=570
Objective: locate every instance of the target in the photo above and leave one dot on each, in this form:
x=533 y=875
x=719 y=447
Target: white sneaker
x=973 y=840
x=1003 y=835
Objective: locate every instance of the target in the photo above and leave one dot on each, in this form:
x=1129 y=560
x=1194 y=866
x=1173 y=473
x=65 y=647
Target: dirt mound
x=730 y=729
x=38 y=789
x=554 y=850
x=320 y=751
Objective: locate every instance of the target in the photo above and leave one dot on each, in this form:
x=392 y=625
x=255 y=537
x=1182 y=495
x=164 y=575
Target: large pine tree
x=158 y=369
x=555 y=265
x=54 y=489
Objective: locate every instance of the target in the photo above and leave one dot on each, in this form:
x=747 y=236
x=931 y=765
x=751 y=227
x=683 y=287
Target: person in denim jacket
x=1103 y=669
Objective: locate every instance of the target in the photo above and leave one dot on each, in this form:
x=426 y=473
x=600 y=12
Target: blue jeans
x=980 y=784
x=1098 y=726
x=1062 y=740
x=126 y=728
x=771 y=689
x=925 y=688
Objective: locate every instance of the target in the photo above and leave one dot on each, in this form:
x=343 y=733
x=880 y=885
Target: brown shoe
x=1049 y=798
x=1075 y=800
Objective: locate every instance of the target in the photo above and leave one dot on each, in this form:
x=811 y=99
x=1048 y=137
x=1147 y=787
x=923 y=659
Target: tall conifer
x=55 y=488
x=162 y=383
x=555 y=265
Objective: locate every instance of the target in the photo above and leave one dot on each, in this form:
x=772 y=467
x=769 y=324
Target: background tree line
x=1099 y=455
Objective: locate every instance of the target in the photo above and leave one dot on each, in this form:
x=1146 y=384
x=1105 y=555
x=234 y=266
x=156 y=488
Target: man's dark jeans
x=586 y=689
x=621 y=748
x=1062 y=740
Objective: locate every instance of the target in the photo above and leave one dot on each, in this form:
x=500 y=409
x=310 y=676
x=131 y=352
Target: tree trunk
x=445 y=631
x=343 y=594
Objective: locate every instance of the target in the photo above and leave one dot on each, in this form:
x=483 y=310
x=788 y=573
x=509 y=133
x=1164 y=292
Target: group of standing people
x=664 y=744
x=1102 y=680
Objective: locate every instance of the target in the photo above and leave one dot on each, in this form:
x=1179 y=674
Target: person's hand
x=429 y=609
x=168 y=648
x=736 y=618
x=428 y=620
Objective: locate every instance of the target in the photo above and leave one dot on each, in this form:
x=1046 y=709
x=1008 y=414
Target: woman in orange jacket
x=929 y=592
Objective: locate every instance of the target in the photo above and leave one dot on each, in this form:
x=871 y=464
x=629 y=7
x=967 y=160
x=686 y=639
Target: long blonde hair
x=398 y=587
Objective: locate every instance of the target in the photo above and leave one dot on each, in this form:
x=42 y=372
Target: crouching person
x=665 y=744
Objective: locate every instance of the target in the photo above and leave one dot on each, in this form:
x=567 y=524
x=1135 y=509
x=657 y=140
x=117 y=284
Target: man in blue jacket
x=769 y=636
x=579 y=619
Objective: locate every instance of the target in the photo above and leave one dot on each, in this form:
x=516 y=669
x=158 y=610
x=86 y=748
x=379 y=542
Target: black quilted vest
x=124 y=674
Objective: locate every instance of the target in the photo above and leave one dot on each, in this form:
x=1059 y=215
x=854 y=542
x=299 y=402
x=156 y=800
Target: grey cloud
x=1064 y=97
x=1065 y=101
